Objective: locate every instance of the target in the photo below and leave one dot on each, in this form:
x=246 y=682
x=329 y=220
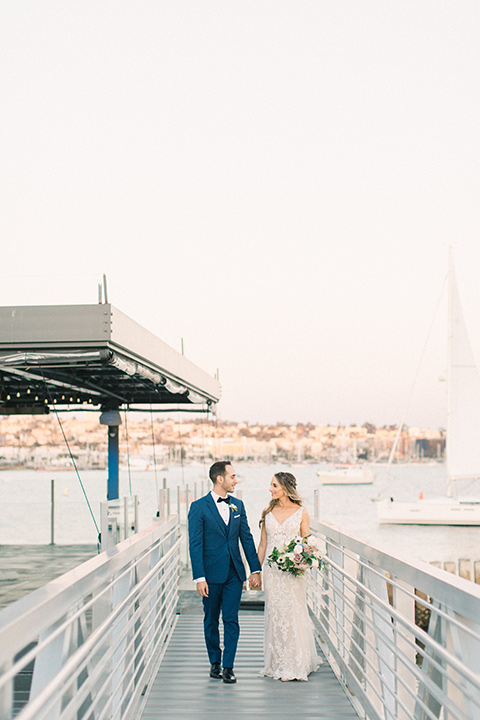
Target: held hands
x=255 y=581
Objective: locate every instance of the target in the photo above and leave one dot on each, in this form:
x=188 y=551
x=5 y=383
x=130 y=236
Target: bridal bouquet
x=298 y=555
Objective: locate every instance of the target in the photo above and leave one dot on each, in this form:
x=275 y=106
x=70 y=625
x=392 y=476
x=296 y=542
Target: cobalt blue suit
x=215 y=555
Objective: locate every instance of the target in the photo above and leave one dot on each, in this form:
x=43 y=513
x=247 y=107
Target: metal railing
x=403 y=637
x=95 y=636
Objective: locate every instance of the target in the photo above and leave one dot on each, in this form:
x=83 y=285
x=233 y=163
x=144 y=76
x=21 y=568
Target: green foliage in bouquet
x=297 y=556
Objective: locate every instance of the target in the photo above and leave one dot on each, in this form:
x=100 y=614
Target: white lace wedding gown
x=289 y=644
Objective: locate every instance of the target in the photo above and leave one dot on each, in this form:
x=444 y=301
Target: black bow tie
x=220 y=499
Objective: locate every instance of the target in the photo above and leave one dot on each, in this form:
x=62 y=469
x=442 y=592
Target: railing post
x=316 y=504
x=6 y=694
x=161 y=505
x=125 y=518
x=135 y=499
x=52 y=512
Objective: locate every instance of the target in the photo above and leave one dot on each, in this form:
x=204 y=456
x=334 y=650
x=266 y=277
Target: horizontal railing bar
x=52 y=699
x=25 y=619
x=371 y=625
x=392 y=646
x=426 y=682
x=396 y=651
x=83 y=651
x=84 y=691
x=157 y=656
x=132 y=662
x=344 y=669
x=466 y=596
x=77 y=701
x=160 y=636
x=419 y=633
x=28 y=657
x=408 y=593
x=412 y=668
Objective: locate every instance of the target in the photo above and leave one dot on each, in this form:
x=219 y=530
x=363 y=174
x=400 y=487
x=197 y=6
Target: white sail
x=463 y=402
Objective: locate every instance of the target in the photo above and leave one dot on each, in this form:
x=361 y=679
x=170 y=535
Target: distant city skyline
x=275 y=183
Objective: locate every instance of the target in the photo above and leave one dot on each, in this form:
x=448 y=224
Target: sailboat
x=463 y=433
x=349 y=472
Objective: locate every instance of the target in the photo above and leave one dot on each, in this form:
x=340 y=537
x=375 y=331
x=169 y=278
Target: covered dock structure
x=60 y=357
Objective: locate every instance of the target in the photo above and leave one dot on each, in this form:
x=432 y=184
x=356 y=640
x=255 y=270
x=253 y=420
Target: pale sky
x=276 y=182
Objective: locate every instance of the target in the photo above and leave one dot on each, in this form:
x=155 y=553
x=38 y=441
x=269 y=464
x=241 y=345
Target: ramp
x=183 y=688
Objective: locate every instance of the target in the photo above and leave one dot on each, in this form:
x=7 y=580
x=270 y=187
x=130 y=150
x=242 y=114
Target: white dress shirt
x=222 y=507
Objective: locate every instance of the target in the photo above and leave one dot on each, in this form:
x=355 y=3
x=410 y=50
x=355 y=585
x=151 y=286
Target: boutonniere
x=233 y=507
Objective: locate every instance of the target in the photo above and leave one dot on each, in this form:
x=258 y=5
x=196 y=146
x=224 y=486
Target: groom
x=216 y=523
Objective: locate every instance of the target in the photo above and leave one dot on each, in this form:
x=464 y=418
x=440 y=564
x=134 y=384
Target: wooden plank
x=183 y=688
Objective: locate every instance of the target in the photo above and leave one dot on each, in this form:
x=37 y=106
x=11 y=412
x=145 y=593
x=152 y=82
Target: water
x=25 y=505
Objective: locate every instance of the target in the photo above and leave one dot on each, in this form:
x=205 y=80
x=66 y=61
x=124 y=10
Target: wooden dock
x=24 y=568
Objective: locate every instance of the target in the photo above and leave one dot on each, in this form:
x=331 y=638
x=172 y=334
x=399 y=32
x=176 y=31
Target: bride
x=290 y=652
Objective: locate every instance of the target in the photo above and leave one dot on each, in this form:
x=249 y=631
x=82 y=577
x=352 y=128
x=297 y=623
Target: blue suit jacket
x=213 y=544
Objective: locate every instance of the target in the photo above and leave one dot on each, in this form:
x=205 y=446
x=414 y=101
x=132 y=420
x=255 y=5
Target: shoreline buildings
x=37 y=442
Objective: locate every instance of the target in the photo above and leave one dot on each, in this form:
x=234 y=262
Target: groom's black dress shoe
x=215 y=671
x=229 y=675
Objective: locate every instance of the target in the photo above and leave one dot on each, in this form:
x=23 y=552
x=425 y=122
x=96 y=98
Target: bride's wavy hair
x=288 y=483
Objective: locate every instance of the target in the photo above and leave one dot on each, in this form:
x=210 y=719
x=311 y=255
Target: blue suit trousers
x=224 y=597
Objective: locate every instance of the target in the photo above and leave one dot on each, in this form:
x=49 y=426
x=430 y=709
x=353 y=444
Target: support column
x=112 y=486
x=112 y=419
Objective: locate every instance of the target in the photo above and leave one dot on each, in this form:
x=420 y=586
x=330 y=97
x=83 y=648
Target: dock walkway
x=183 y=688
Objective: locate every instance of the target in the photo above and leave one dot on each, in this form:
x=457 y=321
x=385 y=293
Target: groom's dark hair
x=218 y=468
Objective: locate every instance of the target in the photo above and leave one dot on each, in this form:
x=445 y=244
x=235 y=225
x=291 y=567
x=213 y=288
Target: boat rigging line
x=154 y=451
x=410 y=395
x=71 y=457
x=181 y=450
x=204 y=447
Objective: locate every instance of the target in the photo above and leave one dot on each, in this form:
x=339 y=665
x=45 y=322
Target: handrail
x=431 y=578
x=96 y=635
x=392 y=668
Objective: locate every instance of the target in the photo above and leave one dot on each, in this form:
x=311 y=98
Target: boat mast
x=451 y=280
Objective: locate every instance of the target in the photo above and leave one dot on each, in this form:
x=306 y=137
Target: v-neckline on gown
x=287 y=518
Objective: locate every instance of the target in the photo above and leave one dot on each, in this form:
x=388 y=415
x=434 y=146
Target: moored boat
x=463 y=432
